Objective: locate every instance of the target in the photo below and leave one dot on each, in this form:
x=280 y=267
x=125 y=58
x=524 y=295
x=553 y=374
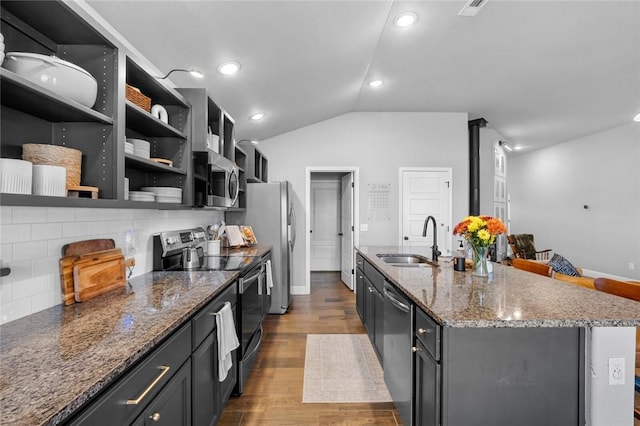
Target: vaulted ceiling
x=540 y=72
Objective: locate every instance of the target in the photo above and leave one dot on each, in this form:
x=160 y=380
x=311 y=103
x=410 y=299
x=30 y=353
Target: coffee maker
x=179 y=250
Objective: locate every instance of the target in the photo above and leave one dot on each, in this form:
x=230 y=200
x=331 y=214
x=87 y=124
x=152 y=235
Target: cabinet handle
x=361 y=277
x=165 y=370
x=155 y=417
x=414 y=349
x=370 y=289
x=423 y=330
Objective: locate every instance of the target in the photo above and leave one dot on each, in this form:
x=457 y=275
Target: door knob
x=311 y=231
x=406 y=238
x=340 y=234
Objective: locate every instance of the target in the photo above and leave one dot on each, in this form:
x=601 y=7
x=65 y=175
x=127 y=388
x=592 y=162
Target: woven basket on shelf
x=54 y=155
x=134 y=95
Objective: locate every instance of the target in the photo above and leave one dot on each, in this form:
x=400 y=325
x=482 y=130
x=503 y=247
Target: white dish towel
x=227 y=339
x=269 y=277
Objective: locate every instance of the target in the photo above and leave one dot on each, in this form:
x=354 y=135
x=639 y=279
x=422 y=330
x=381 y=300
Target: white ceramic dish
x=166 y=191
x=59 y=76
x=165 y=199
x=140 y=144
x=15 y=176
x=140 y=153
x=49 y=180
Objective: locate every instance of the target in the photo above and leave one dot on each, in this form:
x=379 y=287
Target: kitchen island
x=54 y=361
x=514 y=345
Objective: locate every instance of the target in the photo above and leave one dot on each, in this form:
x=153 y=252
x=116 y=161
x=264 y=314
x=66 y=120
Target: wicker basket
x=134 y=95
x=54 y=155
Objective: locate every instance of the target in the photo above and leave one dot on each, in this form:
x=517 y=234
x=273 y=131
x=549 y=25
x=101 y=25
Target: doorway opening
x=331 y=207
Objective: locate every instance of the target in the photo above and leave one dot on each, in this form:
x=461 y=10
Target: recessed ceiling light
x=406 y=19
x=257 y=116
x=375 y=83
x=228 y=68
x=637 y=117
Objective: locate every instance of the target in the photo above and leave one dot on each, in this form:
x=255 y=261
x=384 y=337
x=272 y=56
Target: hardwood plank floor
x=273 y=394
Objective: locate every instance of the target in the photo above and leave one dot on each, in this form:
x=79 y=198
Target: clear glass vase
x=480 y=268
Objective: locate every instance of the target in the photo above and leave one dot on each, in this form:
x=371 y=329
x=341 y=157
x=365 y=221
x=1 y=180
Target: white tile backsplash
x=29 y=215
x=46 y=231
x=32 y=238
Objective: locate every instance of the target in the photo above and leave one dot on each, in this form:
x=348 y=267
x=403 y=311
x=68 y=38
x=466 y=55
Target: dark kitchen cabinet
x=427 y=370
x=427 y=388
x=177 y=383
x=31 y=113
x=360 y=287
x=373 y=306
x=172 y=406
x=139 y=389
x=209 y=394
x=257 y=165
x=169 y=142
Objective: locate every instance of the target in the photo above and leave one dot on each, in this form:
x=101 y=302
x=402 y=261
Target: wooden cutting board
x=93 y=278
x=67 y=264
x=87 y=246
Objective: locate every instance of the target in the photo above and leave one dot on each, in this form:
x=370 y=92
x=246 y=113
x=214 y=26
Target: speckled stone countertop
x=53 y=361
x=508 y=298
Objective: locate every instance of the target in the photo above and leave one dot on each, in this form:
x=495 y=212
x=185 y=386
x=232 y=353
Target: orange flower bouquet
x=480 y=232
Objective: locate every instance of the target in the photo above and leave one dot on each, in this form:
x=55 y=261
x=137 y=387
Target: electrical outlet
x=616 y=371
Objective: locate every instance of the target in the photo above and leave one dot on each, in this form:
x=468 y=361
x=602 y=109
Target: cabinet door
x=369 y=308
x=378 y=324
x=204 y=382
x=427 y=388
x=172 y=406
x=360 y=290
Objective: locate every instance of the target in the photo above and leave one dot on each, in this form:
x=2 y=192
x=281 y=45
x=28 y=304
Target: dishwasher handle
x=397 y=303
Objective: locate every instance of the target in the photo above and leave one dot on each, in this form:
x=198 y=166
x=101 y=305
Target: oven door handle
x=245 y=283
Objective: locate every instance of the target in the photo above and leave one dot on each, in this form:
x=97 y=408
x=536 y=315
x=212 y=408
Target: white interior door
x=346 y=232
x=325 y=226
x=426 y=192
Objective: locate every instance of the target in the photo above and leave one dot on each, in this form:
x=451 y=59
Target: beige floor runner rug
x=342 y=368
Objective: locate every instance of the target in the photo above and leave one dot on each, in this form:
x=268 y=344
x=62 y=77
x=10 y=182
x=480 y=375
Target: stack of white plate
x=126 y=188
x=165 y=194
x=49 y=180
x=141 y=196
x=128 y=148
x=15 y=176
x=141 y=148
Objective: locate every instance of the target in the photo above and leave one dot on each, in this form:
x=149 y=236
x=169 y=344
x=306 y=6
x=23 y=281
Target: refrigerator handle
x=292 y=216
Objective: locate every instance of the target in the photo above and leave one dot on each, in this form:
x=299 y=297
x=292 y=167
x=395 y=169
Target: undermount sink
x=407 y=260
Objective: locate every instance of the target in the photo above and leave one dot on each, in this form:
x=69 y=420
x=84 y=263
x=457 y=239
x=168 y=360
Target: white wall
x=31 y=239
x=378 y=143
x=549 y=188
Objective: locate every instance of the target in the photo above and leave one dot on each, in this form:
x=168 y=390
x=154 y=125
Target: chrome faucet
x=434 y=248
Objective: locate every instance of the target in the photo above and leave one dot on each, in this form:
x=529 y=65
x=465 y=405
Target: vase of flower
x=480 y=232
x=480 y=268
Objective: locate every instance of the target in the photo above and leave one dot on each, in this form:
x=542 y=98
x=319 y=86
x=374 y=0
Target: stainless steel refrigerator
x=271 y=214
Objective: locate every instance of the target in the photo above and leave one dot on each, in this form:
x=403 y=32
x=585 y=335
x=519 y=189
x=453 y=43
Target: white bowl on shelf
x=141 y=153
x=49 y=180
x=15 y=176
x=59 y=76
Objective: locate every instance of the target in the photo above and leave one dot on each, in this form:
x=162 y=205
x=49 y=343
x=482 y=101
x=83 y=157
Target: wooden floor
x=273 y=393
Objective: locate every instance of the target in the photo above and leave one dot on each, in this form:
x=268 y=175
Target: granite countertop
x=53 y=361
x=508 y=298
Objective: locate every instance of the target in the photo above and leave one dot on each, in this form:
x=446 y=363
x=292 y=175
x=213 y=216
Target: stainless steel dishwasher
x=397 y=349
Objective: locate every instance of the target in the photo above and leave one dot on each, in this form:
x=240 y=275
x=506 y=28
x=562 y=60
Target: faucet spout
x=434 y=248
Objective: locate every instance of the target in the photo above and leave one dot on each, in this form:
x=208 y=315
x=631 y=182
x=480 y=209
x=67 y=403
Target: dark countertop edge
x=566 y=323
x=103 y=383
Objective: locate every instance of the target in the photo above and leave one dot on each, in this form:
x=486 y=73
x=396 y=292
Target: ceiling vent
x=472 y=7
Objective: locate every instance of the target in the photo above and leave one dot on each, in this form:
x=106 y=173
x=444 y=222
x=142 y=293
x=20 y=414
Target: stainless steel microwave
x=216 y=181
